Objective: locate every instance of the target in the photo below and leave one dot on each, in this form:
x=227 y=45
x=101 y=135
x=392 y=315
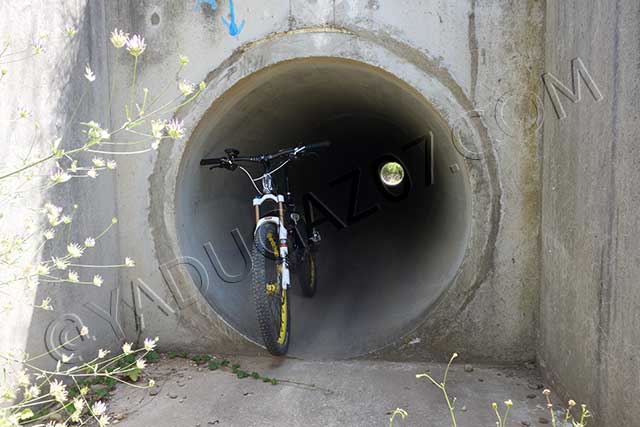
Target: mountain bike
x=284 y=243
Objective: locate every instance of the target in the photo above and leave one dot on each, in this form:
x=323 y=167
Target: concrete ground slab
x=326 y=393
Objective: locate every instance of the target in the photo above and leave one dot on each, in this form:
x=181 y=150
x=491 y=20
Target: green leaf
x=134 y=374
x=152 y=355
x=111 y=382
x=26 y=414
x=213 y=365
x=102 y=392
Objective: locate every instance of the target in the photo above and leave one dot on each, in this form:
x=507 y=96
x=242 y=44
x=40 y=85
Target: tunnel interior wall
x=386 y=255
x=490 y=315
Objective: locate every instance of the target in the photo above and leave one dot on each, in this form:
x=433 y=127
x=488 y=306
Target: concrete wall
x=589 y=323
x=488 y=55
x=51 y=86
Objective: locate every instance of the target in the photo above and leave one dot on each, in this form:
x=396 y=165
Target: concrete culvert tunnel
x=386 y=255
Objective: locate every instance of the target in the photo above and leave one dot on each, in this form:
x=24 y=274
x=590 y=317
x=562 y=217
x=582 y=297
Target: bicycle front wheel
x=270 y=297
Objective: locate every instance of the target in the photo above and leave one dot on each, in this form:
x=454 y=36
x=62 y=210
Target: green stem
x=30 y=165
x=133 y=87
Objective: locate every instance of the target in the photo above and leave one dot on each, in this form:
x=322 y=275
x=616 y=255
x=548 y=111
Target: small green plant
x=443 y=387
x=502 y=419
x=214 y=365
x=397 y=411
x=569 y=420
x=67 y=392
x=152 y=356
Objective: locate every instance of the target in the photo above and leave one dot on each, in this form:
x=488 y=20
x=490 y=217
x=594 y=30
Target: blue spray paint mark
x=234 y=30
x=212 y=3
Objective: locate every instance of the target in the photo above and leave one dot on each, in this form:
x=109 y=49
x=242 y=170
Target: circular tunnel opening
x=387 y=252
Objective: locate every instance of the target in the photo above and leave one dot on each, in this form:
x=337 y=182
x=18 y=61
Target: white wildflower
x=119 y=38
x=84 y=331
x=136 y=45
x=70 y=30
x=98 y=408
x=102 y=353
x=129 y=262
x=186 y=88
x=92 y=173
x=66 y=358
x=97 y=280
x=103 y=421
x=175 y=129
x=58 y=390
x=95 y=132
x=77 y=413
x=74 y=277
x=184 y=60
x=34 y=391
x=46 y=304
x=50 y=208
x=75 y=250
x=49 y=234
x=7 y=394
x=126 y=348
x=22 y=379
x=111 y=164
x=150 y=344
x=42 y=270
x=88 y=74
x=60 y=263
x=157 y=126
x=74 y=166
x=66 y=219
x=89 y=242
x=140 y=363
x=38 y=46
x=23 y=113
x=98 y=162
x=60 y=177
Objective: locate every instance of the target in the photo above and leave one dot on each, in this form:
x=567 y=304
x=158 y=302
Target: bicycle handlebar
x=232 y=155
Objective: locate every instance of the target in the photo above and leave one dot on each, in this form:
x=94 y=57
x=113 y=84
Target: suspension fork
x=279 y=221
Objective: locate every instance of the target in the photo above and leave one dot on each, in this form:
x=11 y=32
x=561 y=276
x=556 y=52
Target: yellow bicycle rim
x=283 y=318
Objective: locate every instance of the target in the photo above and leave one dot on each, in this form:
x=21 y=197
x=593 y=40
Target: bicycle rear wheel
x=303 y=266
x=271 y=299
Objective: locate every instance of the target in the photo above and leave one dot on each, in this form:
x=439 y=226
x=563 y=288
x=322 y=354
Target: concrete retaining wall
x=589 y=322
x=51 y=85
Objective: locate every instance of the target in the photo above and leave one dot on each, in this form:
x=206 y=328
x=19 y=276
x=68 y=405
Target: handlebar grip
x=212 y=162
x=318 y=146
